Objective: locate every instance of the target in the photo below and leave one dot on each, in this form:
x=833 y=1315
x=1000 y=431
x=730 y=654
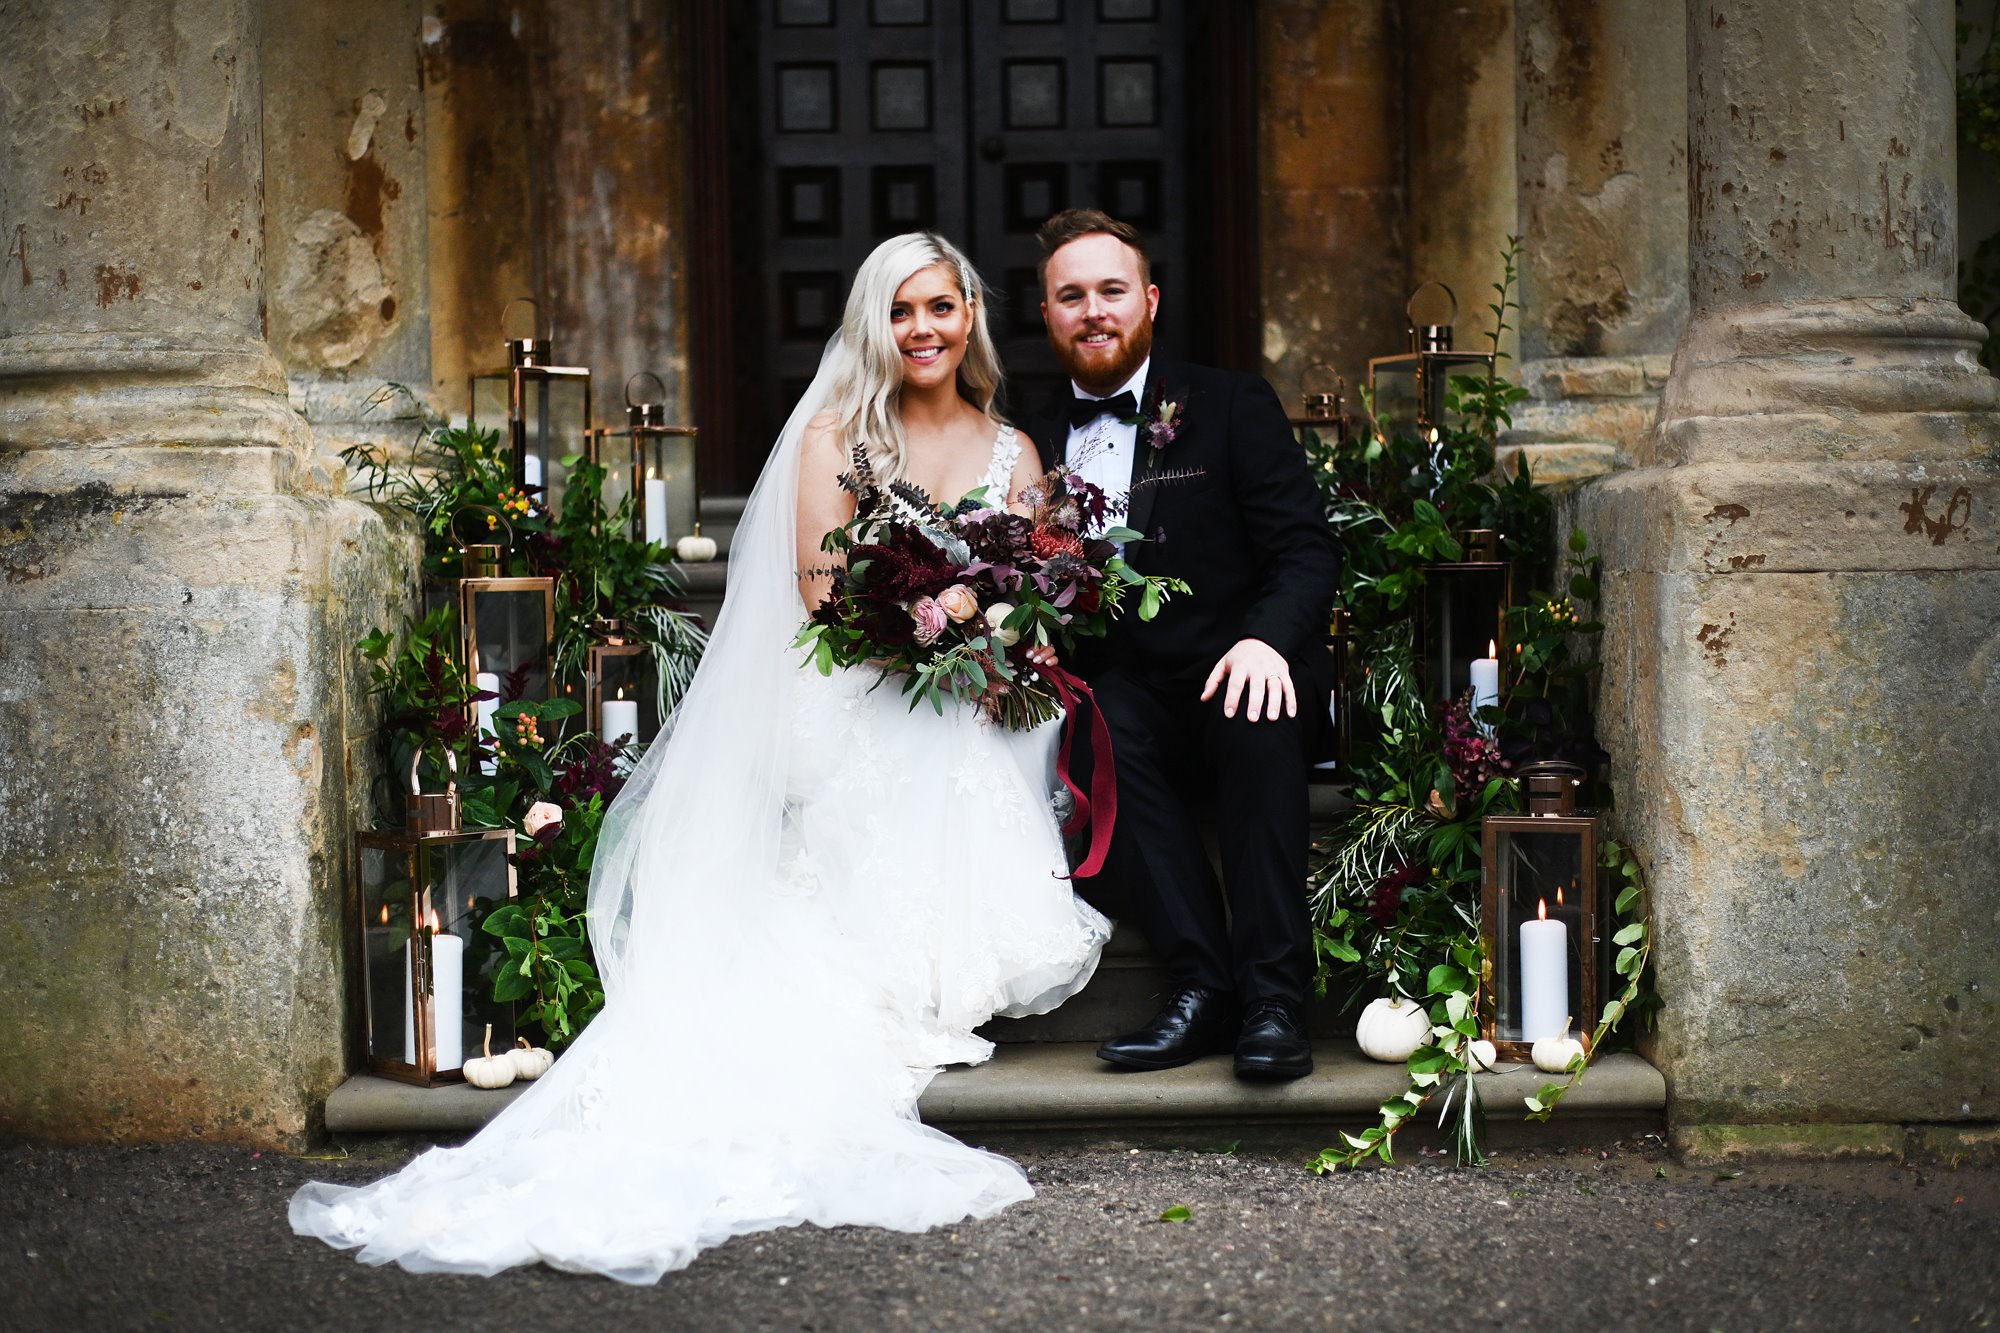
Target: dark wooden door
x=1074 y=103
x=975 y=118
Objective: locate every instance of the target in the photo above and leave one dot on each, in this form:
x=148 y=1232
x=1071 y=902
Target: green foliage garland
x=1396 y=885
x=459 y=485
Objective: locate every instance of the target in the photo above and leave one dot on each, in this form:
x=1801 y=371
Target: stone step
x=1063 y=1087
x=1127 y=991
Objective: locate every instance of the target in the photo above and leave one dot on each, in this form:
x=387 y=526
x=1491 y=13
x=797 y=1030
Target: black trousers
x=1176 y=757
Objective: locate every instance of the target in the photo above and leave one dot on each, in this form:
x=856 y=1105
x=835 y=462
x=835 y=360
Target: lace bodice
x=996 y=479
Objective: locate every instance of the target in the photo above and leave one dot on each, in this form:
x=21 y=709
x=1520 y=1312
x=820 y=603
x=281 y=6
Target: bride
x=804 y=900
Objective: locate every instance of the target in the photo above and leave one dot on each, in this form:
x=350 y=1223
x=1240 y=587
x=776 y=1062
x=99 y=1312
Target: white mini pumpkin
x=695 y=548
x=490 y=1070
x=1481 y=1057
x=530 y=1062
x=1391 y=1028
x=1554 y=1055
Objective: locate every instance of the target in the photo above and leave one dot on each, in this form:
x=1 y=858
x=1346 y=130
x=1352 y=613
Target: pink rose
x=930 y=618
x=540 y=816
x=959 y=602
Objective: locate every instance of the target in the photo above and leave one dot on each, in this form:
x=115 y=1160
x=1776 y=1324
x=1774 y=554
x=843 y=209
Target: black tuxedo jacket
x=1229 y=507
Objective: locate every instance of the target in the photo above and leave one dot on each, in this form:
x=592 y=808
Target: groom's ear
x=1152 y=301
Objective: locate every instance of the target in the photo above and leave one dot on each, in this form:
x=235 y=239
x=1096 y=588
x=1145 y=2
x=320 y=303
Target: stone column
x=1803 y=598
x=181 y=594
x=1601 y=93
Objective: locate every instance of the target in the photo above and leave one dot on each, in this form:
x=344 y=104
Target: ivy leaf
x=1177 y=1213
x=1630 y=933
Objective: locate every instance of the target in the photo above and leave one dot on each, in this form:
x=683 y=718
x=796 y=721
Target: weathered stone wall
x=614 y=242
x=1460 y=92
x=1602 y=95
x=1803 y=593
x=479 y=187
x=1332 y=199
x=344 y=151
x=182 y=590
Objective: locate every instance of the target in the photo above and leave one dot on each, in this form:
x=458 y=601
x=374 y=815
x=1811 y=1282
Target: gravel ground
x=195 y=1237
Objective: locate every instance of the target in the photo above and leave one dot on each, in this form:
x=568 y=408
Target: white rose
x=540 y=815
x=996 y=620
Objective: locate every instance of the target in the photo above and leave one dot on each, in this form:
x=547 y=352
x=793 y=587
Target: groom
x=1215 y=704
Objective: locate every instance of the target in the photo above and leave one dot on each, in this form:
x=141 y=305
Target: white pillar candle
x=448 y=998
x=488 y=683
x=656 y=509
x=1485 y=679
x=618 y=717
x=1545 y=1007
x=531 y=469
x=409 y=1013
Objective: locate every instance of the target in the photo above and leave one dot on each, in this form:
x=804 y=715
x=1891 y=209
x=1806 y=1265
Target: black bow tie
x=1083 y=411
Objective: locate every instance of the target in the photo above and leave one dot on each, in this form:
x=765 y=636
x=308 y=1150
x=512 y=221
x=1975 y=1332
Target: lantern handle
x=1339 y=381
x=535 y=330
x=1409 y=306
x=645 y=375
x=460 y=538
x=451 y=767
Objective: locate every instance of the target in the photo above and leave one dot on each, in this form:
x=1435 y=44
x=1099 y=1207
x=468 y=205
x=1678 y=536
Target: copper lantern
x=1407 y=392
x=547 y=411
x=654 y=463
x=1461 y=634
x=506 y=627
x=427 y=969
x=1541 y=917
x=621 y=686
x=1325 y=413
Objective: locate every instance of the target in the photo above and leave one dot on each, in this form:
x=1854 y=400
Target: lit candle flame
x=1544 y=906
x=385 y=914
x=1492 y=648
x=1559 y=896
x=621 y=691
x=432 y=923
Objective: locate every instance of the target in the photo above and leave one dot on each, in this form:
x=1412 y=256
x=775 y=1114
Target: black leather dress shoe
x=1273 y=1043
x=1197 y=1021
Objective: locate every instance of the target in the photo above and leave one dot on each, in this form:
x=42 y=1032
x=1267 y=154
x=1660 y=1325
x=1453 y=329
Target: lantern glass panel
x=465 y=877
x=554 y=424
x=1408 y=391
x=507 y=627
x=670 y=460
x=1393 y=383
x=489 y=402
x=1542 y=921
x=385 y=942
x=1465 y=609
x=625 y=672
x=428 y=995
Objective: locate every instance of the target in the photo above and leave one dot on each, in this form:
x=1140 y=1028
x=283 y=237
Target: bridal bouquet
x=949 y=600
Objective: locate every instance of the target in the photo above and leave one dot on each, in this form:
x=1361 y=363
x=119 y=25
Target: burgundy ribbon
x=1100 y=808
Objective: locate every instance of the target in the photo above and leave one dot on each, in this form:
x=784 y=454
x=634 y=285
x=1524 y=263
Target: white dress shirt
x=1100 y=451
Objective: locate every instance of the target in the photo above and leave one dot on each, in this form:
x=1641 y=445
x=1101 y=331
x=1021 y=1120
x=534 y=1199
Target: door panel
x=976 y=118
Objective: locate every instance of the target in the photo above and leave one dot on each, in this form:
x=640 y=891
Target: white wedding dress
x=804 y=901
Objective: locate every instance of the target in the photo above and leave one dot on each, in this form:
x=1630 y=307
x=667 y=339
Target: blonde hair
x=864 y=400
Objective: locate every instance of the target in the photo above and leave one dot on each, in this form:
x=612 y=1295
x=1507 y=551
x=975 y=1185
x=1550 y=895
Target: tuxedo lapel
x=1048 y=427
x=1161 y=386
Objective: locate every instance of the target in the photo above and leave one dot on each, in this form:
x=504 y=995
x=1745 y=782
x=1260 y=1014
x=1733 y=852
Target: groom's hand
x=1256 y=668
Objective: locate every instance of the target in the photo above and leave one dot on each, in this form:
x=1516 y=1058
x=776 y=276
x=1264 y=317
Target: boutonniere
x=1160 y=429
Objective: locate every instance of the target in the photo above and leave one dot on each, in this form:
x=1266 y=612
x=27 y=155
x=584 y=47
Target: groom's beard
x=1103 y=369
